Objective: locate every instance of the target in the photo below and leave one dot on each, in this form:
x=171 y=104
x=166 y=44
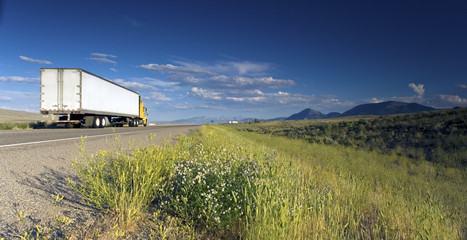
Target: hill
x=306 y=114
x=19 y=116
x=386 y=108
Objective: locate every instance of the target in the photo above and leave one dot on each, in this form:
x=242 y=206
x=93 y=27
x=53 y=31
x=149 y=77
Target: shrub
x=210 y=189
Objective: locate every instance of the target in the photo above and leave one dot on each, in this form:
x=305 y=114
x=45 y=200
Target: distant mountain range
x=386 y=108
x=383 y=108
x=379 y=109
x=312 y=114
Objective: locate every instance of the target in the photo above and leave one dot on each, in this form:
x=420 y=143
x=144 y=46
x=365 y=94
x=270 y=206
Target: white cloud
x=16 y=79
x=257 y=97
x=5 y=98
x=159 y=97
x=32 y=60
x=19 y=100
x=232 y=67
x=462 y=86
x=174 y=70
x=444 y=100
x=183 y=106
x=156 y=82
x=103 y=58
x=190 y=76
x=134 y=85
x=418 y=88
x=374 y=100
x=206 y=94
x=103 y=55
x=113 y=69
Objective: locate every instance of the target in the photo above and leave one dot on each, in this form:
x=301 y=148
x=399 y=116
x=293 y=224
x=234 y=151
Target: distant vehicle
x=78 y=98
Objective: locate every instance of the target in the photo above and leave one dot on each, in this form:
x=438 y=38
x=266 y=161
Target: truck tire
x=102 y=122
x=96 y=122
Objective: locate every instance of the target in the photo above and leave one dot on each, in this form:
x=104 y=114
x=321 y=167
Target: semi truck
x=77 y=98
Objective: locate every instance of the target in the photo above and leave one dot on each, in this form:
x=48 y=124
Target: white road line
x=66 y=139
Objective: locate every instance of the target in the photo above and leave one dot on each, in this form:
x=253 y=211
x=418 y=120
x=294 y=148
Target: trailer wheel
x=102 y=122
x=96 y=123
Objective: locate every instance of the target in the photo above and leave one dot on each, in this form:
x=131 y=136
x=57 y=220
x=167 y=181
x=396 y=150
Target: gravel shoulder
x=31 y=176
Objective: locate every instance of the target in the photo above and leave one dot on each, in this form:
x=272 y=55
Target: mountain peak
x=307 y=113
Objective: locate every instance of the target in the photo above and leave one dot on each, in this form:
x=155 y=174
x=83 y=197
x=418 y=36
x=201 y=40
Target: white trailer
x=78 y=98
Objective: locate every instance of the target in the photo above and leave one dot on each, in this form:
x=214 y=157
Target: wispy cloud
x=134 y=85
x=159 y=97
x=25 y=101
x=32 y=60
x=5 y=98
x=103 y=55
x=16 y=79
x=230 y=67
x=155 y=82
x=196 y=77
x=229 y=85
x=206 y=94
x=462 y=86
x=258 y=97
x=103 y=58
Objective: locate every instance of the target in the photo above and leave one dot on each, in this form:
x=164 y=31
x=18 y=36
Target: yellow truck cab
x=143 y=112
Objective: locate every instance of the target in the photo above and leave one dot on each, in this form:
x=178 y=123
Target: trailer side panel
x=99 y=95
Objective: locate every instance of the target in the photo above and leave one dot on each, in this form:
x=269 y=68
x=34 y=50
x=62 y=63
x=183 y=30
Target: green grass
x=14 y=126
x=437 y=136
x=222 y=183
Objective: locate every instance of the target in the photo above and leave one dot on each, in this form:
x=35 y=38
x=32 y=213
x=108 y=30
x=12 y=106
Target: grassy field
x=224 y=183
x=437 y=136
x=11 y=119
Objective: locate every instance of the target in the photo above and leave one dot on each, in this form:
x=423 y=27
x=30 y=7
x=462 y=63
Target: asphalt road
x=34 y=166
x=36 y=136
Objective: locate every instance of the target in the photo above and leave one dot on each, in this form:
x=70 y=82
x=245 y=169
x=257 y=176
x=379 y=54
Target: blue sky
x=261 y=59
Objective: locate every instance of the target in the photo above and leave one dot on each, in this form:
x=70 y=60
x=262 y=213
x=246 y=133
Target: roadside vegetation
x=222 y=183
x=14 y=126
x=437 y=136
x=24 y=125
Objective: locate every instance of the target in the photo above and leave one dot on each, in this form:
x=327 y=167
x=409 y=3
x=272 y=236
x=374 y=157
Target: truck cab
x=143 y=112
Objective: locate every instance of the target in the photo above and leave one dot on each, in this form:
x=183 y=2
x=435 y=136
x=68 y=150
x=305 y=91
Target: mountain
x=306 y=114
x=386 y=108
x=383 y=108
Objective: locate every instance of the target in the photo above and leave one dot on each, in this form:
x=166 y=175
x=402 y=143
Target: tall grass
x=124 y=184
x=359 y=194
x=221 y=183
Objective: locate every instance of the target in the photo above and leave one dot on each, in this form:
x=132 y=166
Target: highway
x=34 y=166
x=36 y=136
